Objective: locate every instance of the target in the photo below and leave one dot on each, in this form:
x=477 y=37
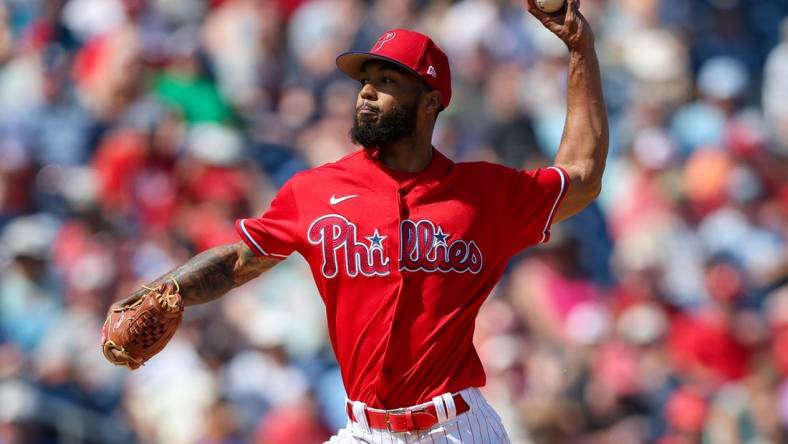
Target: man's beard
x=390 y=127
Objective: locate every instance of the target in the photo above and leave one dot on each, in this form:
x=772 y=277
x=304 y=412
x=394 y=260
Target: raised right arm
x=211 y=274
x=584 y=144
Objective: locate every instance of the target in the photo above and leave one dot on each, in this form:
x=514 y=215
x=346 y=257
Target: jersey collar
x=439 y=167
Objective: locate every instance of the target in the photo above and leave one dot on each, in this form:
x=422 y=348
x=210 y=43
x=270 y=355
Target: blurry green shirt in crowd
x=198 y=99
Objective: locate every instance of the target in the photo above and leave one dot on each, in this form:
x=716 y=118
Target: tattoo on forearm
x=207 y=275
x=212 y=273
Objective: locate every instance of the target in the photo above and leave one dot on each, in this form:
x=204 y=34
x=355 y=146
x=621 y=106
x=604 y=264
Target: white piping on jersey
x=555 y=204
x=254 y=242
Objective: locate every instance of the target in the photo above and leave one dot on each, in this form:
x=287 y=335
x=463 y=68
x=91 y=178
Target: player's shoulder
x=341 y=165
x=497 y=170
x=482 y=176
x=482 y=168
x=327 y=171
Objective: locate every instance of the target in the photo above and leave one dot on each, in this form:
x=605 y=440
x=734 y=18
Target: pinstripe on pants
x=479 y=425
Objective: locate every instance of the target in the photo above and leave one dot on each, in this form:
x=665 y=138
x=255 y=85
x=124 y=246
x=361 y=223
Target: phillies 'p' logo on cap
x=387 y=37
x=411 y=50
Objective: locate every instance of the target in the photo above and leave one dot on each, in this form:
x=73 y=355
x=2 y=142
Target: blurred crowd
x=133 y=133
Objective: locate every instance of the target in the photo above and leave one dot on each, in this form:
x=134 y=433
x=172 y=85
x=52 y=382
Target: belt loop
x=409 y=420
x=451 y=409
x=440 y=409
x=360 y=412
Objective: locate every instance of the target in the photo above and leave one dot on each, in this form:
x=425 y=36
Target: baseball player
x=405 y=245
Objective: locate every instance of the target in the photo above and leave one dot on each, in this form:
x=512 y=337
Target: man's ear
x=433 y=101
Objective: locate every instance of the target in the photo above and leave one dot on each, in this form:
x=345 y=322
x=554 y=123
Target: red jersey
x=403 y=261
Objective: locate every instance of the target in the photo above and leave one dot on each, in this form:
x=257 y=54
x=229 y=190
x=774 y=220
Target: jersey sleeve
x=274 y=234
x=532 y=200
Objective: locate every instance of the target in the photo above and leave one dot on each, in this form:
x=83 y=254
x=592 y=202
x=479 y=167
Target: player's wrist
x=581 y=42
x=582 y=48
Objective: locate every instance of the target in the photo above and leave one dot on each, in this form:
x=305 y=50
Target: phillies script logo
x=337 y=237
x=422 y=248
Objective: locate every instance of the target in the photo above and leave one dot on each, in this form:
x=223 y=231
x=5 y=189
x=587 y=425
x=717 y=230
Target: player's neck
x=410 y=154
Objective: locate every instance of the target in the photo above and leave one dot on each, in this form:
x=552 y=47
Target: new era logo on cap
x=411 y=50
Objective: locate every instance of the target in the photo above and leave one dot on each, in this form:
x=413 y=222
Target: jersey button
x=387 y=371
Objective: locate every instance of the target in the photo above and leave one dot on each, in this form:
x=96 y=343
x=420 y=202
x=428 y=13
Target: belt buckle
x=392 y=412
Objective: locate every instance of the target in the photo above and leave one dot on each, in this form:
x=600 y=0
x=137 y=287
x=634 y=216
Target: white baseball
x=550 y=6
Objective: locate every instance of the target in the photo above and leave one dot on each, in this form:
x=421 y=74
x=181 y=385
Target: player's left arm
x=584 y=144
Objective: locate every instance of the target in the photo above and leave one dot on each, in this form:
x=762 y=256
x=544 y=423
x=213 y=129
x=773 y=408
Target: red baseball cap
x=411 y=50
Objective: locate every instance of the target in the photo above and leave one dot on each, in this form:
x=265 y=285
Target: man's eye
x=385 y=79
x=364 y=81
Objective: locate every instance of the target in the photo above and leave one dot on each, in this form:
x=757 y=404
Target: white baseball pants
x=479 y=425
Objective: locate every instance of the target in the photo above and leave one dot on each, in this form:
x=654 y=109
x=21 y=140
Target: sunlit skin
x=384 y=86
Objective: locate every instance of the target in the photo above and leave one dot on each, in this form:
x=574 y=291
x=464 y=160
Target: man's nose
x=368 y=92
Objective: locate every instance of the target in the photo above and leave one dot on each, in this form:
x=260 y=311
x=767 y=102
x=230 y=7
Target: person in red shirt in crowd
x=405 y=245
x=712 y=344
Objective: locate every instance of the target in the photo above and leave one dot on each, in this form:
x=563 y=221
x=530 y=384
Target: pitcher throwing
x=405 y=245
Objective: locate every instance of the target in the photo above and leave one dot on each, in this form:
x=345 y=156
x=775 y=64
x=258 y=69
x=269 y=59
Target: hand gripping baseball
x=135 y=330
x=568 y=24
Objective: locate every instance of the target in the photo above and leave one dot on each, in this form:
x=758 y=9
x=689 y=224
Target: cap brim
x=351 y=62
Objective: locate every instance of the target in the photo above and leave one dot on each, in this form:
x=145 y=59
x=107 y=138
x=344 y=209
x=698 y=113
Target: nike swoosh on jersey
x=335 y=200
